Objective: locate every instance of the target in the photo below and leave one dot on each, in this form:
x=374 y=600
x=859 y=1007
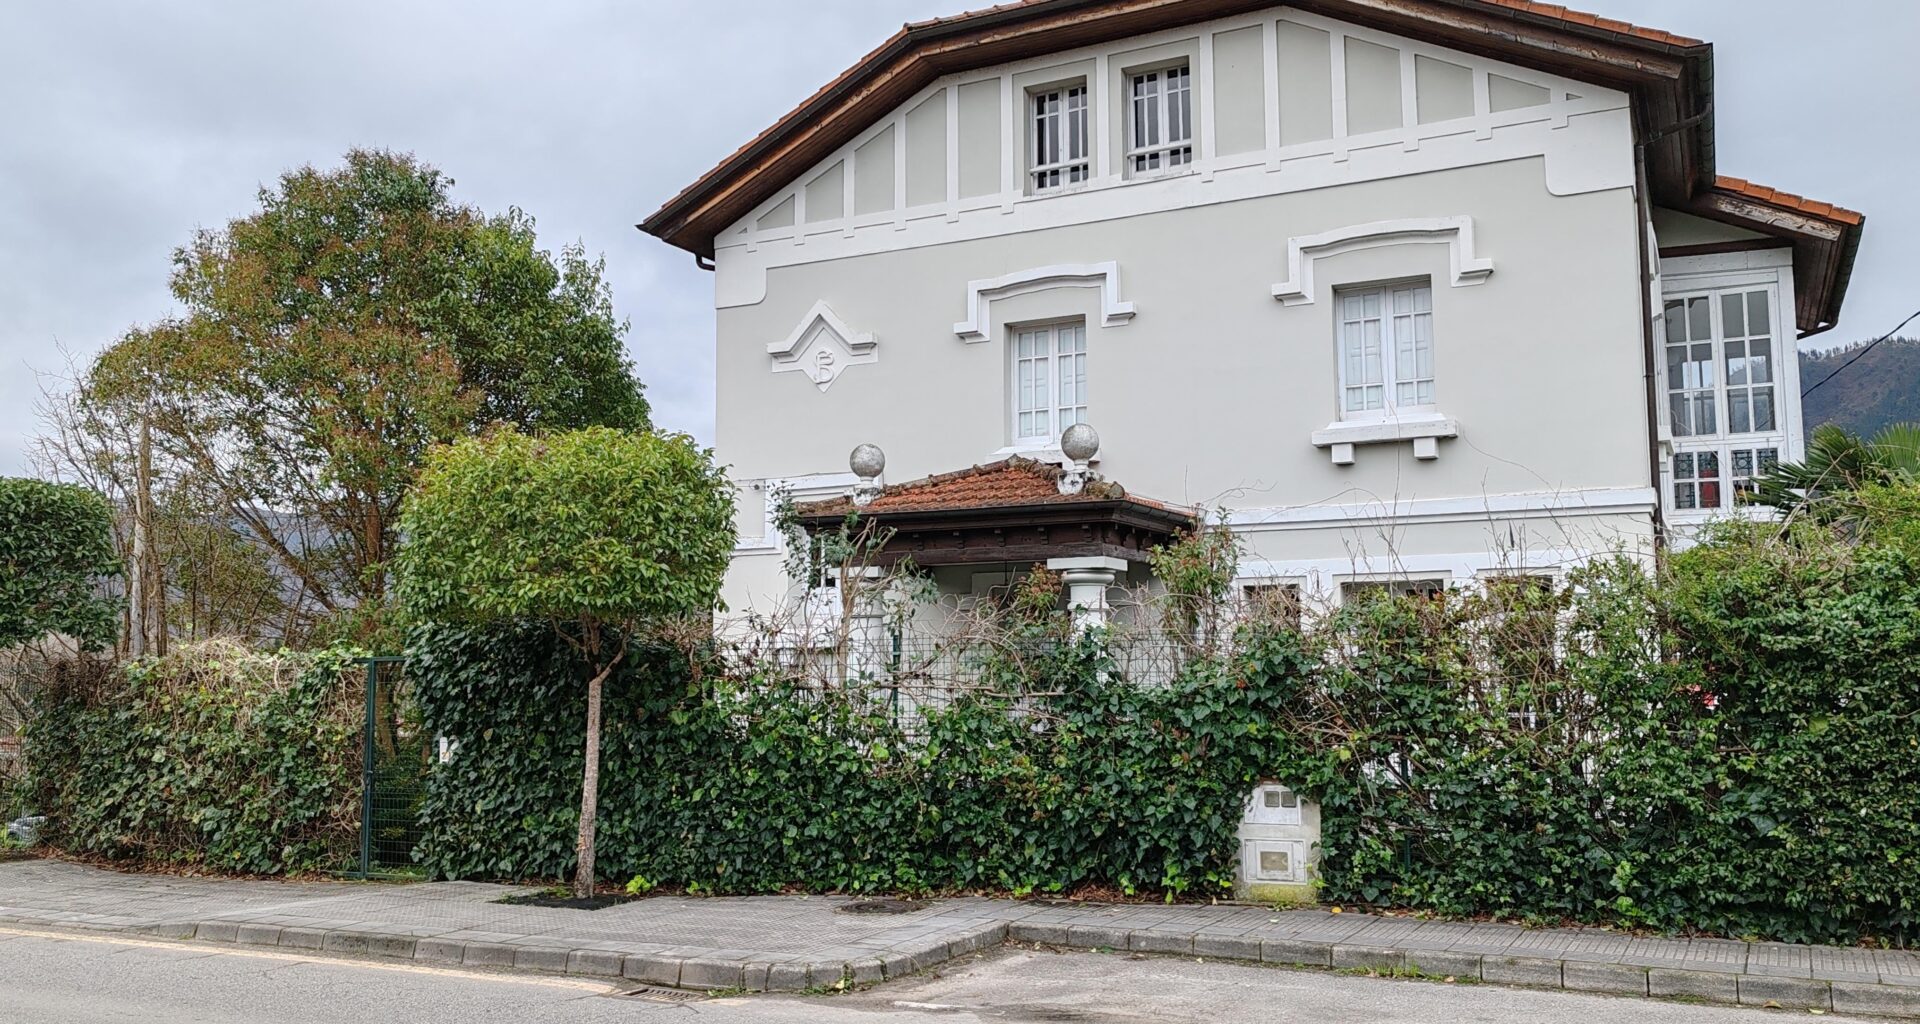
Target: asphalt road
x=58 y=978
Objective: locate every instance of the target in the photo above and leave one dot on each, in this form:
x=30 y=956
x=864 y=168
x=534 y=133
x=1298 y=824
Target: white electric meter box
x=1279 y=846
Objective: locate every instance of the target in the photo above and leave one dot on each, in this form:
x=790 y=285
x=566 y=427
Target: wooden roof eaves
x=1670 y=83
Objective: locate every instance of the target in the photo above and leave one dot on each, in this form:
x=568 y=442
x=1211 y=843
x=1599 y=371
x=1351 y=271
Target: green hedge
x=726 y=786
x=213 y=757
x=1733 y=747
x=1736 y=749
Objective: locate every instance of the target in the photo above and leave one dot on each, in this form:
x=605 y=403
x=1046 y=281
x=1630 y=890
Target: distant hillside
x=1882 y=388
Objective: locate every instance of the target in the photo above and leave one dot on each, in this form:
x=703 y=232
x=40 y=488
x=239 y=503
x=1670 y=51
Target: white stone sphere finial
x=867 y=462
x=1080 y=442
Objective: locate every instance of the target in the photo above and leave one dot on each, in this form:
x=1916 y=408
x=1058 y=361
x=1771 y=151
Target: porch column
x=1087 y=581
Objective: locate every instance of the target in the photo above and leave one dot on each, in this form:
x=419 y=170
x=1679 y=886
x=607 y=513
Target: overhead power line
x=1862 y=352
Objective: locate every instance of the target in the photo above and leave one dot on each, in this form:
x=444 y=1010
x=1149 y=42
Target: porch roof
x=1007 y=511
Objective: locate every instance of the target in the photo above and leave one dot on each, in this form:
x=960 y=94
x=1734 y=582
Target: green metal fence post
x=366 y=769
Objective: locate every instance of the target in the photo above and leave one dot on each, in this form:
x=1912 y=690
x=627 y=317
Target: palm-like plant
x=1839 y=461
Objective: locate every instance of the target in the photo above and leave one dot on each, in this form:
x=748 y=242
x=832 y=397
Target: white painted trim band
x=1535 y=504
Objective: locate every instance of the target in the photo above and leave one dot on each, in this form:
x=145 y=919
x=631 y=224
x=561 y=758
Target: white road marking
x=297 y=958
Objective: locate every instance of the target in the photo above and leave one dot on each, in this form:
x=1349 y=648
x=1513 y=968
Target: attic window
x=1161 y=130
x=1060 y=149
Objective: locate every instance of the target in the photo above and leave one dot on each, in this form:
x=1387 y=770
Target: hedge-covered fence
x=1734 y=747
x=719 y=784
x=213 y=757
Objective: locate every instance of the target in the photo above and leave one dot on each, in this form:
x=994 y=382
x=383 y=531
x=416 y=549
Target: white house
x=1411 y=291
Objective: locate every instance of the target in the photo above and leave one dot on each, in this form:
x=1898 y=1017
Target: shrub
x=56 y=545
x=212 y=757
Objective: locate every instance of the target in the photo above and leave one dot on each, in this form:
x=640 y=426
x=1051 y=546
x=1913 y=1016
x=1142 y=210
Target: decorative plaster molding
x=981 y=294
x=1457 y=232
x=822 y=346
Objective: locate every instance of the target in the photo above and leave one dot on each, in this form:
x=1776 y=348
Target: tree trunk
x=583 y=875
x=589 y=788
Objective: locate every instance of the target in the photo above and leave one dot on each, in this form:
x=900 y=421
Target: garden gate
x=394 y=757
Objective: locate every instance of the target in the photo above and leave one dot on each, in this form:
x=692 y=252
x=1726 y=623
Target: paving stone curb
x=942 y=940
x=696 y=970
x=1576 y=975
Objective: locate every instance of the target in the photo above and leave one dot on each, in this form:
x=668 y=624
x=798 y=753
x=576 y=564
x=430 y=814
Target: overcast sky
x=125 y=126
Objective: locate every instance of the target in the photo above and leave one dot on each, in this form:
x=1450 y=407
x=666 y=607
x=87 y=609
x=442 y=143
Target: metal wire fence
x=911 y=674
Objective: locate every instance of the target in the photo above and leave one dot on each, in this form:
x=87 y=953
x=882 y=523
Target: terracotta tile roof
x=1554 y=11
x=1572 y=17
x=1008 y=483
x=1811 y=207
x=978 y=12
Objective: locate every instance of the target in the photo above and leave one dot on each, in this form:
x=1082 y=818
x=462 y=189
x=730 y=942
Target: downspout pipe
x=1649 y=346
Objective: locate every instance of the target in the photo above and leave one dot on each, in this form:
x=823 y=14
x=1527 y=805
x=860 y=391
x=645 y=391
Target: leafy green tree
x=56 y=547
x=1841 y=463
x=331 y=338
x=599 y=532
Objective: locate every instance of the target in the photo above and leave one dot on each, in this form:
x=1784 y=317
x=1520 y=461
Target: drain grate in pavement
x=649 y=993
x=881 y=907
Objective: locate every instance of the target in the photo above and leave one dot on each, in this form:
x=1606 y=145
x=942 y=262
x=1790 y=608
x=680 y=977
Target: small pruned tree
x=56 y=550
x=601 y=532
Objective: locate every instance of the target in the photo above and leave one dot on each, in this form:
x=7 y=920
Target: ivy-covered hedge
x=214 y=757
x=734 y=786
x=1734 y=747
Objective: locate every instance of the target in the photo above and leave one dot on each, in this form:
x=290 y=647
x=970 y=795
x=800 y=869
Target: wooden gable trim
x=1670 y=82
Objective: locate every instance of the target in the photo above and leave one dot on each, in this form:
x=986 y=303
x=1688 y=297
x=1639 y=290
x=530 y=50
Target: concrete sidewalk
x=793 y=943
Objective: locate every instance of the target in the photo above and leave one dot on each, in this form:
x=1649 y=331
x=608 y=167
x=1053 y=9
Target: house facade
x=1404 y=293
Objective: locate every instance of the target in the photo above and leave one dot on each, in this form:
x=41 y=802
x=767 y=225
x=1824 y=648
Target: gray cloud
x=123 y=127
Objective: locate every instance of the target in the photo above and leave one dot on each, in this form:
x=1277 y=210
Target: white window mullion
x=1386 y=352
x=1060 y=150
x=1160 y=119
x=1049 y=381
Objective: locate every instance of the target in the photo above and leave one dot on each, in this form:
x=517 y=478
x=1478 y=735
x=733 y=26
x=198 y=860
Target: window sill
x=1186 y=170
x=1425 y=431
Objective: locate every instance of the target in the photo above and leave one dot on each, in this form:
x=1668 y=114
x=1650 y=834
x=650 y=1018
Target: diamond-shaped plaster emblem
x=822 y=347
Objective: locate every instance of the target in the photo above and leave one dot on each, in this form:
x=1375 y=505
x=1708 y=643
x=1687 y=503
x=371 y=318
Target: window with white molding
x=1049 y=380
x=1160 y=128
x=1272 y=601
x=1720 y=359
x=1710 y=478
x=1721 y=373
x=1431 y=588
x=1386 y=351
x=1061 y=151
